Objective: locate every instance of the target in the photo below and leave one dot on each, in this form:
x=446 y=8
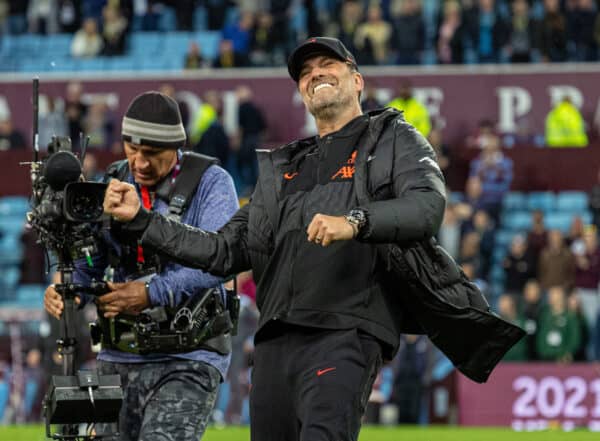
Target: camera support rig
x=63 y=214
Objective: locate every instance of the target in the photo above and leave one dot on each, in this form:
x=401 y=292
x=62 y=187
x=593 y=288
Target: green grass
x=439 y=433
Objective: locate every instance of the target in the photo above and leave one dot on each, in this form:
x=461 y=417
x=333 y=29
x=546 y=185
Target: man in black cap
x=330 y=310
x=169 y=391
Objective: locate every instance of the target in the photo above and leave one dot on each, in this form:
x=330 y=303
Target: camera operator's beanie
x=153 y=119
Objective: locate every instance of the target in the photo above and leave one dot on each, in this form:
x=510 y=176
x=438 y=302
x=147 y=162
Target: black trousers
x=311 y=384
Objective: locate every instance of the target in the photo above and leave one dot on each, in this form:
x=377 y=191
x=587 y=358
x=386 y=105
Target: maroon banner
x=533 y=396
x=517 y=98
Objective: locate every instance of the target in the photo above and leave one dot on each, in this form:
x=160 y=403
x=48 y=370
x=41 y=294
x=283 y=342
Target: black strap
x=193 y=166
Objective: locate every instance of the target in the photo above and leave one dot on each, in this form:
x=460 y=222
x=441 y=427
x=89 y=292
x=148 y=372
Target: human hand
x=127 y=298
x=323 y=229
x=121 y=201
x=53 y=302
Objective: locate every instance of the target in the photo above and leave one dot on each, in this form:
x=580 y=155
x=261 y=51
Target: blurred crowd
x=378 y=32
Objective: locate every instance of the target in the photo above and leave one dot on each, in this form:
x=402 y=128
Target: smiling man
x=328 y=312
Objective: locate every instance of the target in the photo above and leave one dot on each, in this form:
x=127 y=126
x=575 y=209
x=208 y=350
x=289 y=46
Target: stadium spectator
x=252 y=126
x=90 y=170
x=42 y=17
x=369 y=99
x=114 y=27
x=470 y=252
x=559 y=333
x=484 y=135
x=69 y=16
x=227 y=57
x=87 y=42
x=53 y=122
x=581 y=21
x=10 y=137
x=262 y=48
x=556 y=263
x=585 y=350
x=240 y=35
x=481 y=224
x=442 y=151
x=553 y=33
x=412 y=368
x=565 y=126
x=523 y=33
x=531 y=306
x=99 y=125
x=495 y=170
x=519 y=265
x=75 y=110
x=408 y=36
x=537 y=236
x=575 y=233
x=508 y=310
x=594 y=200
x=33 y=264
x=169 y=90
x=351 y=16
x=449 y=235
x=145 y=15
x=587 y=276
x=372 y=38
x=487 y=30
x=450 y=34
x=193 y=57
x=208 y=135
x=167 y=396
x=17 y=16
x=415 y=112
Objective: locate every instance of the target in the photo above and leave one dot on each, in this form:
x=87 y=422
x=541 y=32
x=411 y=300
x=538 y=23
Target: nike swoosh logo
x=324 y=371
x=289 y=176
x=370 y=158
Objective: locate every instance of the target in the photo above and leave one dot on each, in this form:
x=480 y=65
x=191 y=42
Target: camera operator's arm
x=223 y=253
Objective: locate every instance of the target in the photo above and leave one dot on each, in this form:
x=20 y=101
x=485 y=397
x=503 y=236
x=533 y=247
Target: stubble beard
x=329 y=109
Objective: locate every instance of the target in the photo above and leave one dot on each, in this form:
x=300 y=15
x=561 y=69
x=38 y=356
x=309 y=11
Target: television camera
x=67 y=215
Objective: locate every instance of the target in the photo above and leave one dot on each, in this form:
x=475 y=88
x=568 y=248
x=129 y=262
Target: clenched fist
x=323 y=229
x=121 y=201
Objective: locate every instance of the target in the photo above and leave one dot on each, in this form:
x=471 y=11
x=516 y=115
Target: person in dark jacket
x=328 y=314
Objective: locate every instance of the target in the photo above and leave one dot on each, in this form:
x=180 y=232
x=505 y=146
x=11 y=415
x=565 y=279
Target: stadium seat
x=514 y=201
x=12 y=225
x=14 y=206
x=167 y=21
x=9 y=278
x=497 y=274
x=200 y=19
x=4 y=394
x=517 y=221
x=541 y=200
x=92 y=64
x=499 y=253
x=145 y=43
x=209 y=43
x=503 y=238
x=572 y=201
x=120 y=63
x=30 y=294
x=558 y=221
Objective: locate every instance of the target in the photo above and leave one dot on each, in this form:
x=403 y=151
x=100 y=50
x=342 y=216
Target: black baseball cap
x=314 y=45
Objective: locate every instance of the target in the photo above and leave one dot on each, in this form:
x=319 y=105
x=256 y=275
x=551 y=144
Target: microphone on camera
x=60 y=169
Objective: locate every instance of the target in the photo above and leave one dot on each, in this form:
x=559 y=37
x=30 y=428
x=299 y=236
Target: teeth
x=320 y=86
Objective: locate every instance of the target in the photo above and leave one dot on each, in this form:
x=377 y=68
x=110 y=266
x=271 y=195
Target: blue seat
x=12 y=225
x=572 y=201
x=514 y=201
x=14 y=206
x=120 y=63
x=497 y=274
x=167 y=21
x=503 y=238
x=209 y=43
x=541 y=200
x=517 y=221
x=144 y=43
x=558 y=221
x=30 y=294
x=200 y=20
x=91 y=64
x=499 y=253
x=9 y=278
x=4 y=394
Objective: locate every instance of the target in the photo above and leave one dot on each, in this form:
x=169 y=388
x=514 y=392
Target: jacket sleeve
x=417 y=208
x=223 y=253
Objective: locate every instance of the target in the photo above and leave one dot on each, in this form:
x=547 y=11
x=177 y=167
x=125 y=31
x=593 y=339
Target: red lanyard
x=147 y=202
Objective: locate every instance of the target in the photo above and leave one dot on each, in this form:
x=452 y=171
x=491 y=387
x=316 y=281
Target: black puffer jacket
x=400 y=185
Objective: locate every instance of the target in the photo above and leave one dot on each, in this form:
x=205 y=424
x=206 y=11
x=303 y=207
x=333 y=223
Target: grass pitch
x=439 y=433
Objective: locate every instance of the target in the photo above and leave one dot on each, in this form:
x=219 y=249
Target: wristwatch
x=357 y=217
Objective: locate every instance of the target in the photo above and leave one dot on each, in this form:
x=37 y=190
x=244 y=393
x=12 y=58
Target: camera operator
x=168 y=394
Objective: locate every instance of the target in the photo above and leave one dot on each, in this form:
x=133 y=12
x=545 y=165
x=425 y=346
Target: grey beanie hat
x=153 y=119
